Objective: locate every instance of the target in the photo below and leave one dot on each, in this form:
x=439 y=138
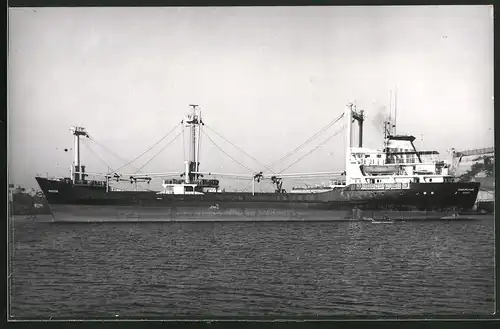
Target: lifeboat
x=378 y=170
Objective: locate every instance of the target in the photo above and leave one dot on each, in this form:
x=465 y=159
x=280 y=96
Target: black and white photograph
x=250 y=162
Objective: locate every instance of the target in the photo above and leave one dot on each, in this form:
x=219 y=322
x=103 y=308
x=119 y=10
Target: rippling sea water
x=88 y=270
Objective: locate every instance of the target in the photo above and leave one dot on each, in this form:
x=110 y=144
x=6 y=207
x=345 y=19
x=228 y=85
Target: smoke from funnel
x=381 y=115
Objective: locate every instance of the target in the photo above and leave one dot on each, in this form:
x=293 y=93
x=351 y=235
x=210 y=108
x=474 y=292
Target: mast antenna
x=390 y=105
x=395 y=108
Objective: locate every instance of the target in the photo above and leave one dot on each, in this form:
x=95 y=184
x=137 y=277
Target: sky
x=266 y=78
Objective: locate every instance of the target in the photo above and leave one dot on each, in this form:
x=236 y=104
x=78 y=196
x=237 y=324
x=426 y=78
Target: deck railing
x=380 y=186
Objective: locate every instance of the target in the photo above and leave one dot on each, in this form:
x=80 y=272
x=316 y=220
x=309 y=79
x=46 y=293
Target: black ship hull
x=421 y=200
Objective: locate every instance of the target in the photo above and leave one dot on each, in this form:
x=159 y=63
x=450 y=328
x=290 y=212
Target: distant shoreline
x=25 y=204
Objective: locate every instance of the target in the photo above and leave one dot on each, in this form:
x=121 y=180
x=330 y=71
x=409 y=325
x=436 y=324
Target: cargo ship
x=395 y=181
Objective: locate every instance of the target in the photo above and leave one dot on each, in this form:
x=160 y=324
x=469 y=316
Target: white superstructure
x=398 y=162
x=395 y=166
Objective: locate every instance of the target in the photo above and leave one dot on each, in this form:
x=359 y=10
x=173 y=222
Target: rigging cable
x=240 y=149
x=308 y=141
x=149 y=149
x=176 y=136
x=111 y=152
x=314 y=149
x=228 y=177
x=250 y=170
x=247 y=187
x=97 y=156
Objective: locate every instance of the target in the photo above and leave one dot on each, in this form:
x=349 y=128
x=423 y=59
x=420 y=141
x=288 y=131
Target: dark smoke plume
x=381 y=114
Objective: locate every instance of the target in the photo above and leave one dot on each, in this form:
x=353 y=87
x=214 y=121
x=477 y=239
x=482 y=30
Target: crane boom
x=457 y=156
x=482 y=151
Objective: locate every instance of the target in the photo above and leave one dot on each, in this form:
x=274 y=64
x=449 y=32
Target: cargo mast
x=352 y=115
x=78 y=171
x=348 y=141
x=193 y=121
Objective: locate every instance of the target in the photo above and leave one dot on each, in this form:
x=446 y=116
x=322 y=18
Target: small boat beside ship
x=395 y=178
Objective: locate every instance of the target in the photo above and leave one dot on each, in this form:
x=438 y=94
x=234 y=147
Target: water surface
x=88 y=270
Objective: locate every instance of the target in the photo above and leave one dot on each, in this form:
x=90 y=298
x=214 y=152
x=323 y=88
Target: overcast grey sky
x=267 y=78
